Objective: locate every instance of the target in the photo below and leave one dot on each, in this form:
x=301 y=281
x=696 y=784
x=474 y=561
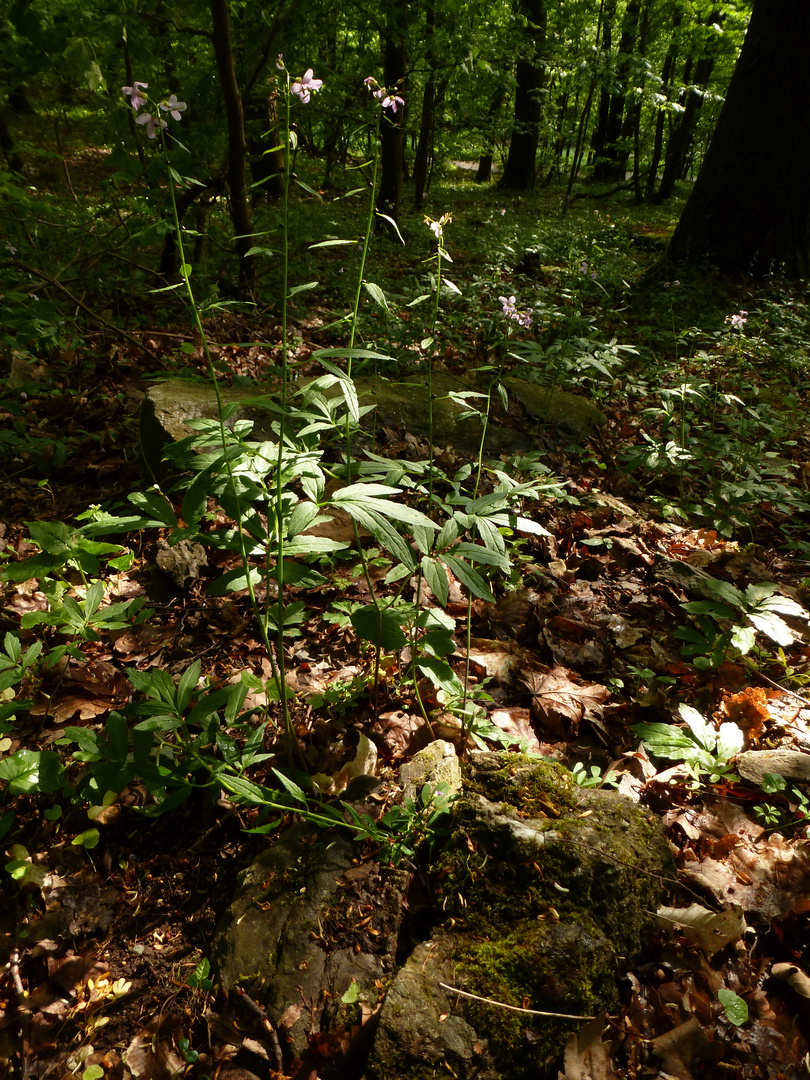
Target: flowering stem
x=276 y=670
x=281 y=676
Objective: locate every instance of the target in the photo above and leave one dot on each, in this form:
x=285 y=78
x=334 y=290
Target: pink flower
x=151 y=123
x=173 y=106
x=510 y=311
x=133 y=92
x=280 y=61
x=738 y=321
x=392 y=101
x=307 y=84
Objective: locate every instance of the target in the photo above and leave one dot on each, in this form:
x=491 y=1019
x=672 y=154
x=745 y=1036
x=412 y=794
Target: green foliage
x=706 y=752
x=759 y=605
x=735 y=1007
x=791 y=806
x=594 y=777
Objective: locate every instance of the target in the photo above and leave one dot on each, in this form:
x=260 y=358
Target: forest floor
x=580 y=645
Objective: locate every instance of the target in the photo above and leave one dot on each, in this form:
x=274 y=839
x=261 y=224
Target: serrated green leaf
x=773 y=627
x=469 y=578
x=376 y=294
x=233 y=581
x=31 y=772
x=291 y=787
x=436 y=577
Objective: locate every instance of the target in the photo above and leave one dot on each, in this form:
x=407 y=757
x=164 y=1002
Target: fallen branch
x=80 y=303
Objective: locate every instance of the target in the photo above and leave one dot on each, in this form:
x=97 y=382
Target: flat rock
x=752 y=765
x=168 y=405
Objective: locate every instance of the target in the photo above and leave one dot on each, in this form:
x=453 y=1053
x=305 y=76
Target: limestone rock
x=436 y=764
x=792 y=764
x=404 y=404
x=294 y=937
x=547 y=892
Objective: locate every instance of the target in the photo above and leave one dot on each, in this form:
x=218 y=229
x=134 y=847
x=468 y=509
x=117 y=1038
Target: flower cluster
x=385 y=98
x=510 y=311
x=304 y=86
x=738 y=321
x=437 y=227
x=152 y=121
x=583 y=269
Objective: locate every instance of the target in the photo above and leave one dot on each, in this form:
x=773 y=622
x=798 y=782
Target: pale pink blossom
x=304 y=87
x=174 y=107
x=151 y=123
x=136 y=99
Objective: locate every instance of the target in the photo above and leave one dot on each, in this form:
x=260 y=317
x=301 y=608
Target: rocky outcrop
x=542 y=895
x=396 y=405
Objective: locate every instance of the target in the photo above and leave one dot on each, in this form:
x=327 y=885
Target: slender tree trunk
x=237 y=144
x=424 y=145
x=392 y=124
x=684 y=130
x=600 y=131
x=484 y=173
x=614 y=154
x=748 y=210
x=666 y=79
x=13 y=159
x=530 y=73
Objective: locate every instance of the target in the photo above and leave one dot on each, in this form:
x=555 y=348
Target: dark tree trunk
x=749 y=210
x=424 y=145
x=392 y=124
x=484 y=173
x=13 y=159
x=530 y=74
x=599 y=137
x=683 y=132
x=237 y=144
x=614 y=152
x=666 y=78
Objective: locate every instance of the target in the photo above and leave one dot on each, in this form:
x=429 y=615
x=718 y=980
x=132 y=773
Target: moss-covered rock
x=546 y=893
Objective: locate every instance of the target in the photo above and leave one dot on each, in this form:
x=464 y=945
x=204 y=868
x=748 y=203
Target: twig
x=79 y=303
x=778 y=686
x=514 y=1008
x=13 y=967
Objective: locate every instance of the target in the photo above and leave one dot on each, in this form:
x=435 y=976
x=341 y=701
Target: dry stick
x=777 y=686
x=514 y=1008
x=79 y=303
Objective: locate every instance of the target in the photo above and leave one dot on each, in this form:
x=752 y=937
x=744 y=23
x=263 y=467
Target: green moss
x=552 y=967
x=533 y=787
x=545 y=887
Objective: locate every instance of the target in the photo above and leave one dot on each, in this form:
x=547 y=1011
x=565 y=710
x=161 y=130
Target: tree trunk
x=748 y=210
x=666 y=78
x=530 y=74
x=614 y=152
x=392 y=124
x=682 y=134
x=13 y=159
x=424 y=145
x=484 y=173
x=599 y=137
x=237 y=144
